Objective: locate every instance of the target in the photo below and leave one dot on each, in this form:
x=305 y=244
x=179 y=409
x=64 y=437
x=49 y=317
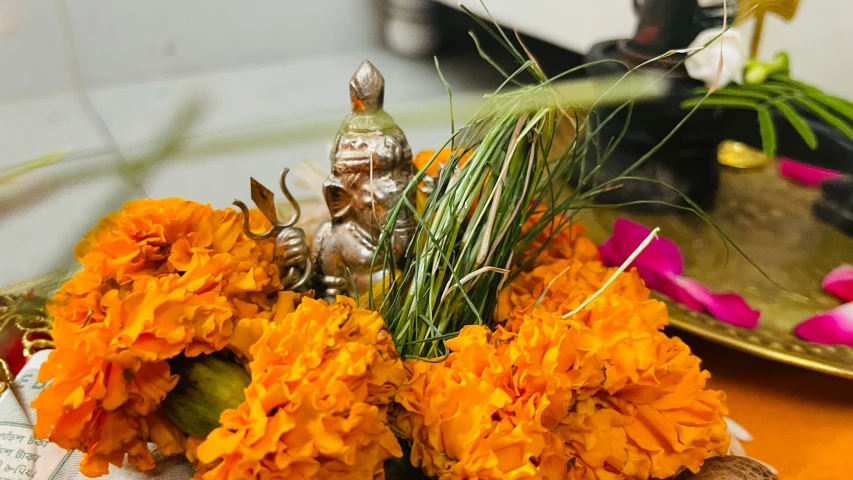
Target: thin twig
x=645 y=243
x=474 y=274
x=548 y=287
x=483 y=253
x=720 y=61
x=501 y=235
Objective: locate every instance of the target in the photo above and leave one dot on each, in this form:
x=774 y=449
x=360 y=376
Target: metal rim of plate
x=771 y=221
x=770 y=344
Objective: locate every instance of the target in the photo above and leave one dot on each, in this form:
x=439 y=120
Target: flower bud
x=208 y=386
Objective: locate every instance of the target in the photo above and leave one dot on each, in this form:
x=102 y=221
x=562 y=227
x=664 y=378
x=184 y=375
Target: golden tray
x=770 y=220
x=764 y=215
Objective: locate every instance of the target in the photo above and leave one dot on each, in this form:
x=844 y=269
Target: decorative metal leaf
x=265 y=200
x=758 y=8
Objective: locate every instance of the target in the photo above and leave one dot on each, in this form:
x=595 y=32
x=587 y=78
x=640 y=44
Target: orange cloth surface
x=801 y=421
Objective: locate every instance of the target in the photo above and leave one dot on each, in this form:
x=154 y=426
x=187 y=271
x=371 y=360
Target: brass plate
x=769 y=219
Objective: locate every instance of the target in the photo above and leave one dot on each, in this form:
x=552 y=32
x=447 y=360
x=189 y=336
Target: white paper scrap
x=24 y=457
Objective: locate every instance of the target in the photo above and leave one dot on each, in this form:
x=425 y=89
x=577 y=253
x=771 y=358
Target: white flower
x=704 y=64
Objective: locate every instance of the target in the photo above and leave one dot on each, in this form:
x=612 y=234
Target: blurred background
x=103 y=80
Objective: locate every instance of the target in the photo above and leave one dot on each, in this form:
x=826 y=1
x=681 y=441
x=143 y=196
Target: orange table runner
x=801 y=421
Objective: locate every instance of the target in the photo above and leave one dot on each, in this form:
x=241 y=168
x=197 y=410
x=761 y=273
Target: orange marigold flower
x=160 y=278
x=564 y=284
x=604 y=389
x=484 y=412
x=322 y=380
x=422 y=159
x=560 y=239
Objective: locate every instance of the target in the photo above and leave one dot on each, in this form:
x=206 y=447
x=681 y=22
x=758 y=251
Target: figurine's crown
x=367 y=94
x=369 y=138
x=367 y=89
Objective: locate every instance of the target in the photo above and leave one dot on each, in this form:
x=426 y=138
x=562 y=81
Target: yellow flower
x=160 y=278
x=322 y=380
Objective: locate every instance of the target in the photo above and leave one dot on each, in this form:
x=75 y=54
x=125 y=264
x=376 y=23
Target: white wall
x=122 y=41
x=125 y=41
x=819 y=40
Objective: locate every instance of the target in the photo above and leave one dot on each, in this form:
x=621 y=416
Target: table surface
x=801 y=421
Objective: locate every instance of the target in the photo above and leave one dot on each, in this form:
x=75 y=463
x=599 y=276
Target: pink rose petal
x=627 y=236
x=805 y=174
x=839 y=282
x=660 y=266
x=726 y=307
x=834 y=327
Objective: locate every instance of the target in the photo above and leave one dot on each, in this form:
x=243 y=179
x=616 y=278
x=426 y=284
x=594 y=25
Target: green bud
x=208 y=386
x=758 y=72
x=780 y=64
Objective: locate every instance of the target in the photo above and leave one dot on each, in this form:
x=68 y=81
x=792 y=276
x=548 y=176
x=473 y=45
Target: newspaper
x=24 y=457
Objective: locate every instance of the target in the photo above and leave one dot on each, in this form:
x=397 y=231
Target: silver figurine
x=371 y=168
x=291 y=246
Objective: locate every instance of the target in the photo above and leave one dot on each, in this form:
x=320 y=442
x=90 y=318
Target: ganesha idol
x=371 y=169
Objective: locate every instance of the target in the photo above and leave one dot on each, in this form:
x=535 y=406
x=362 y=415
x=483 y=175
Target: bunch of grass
x=469 y=236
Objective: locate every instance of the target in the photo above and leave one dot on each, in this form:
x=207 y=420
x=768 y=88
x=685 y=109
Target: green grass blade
x=10 y=174
x=449 y=99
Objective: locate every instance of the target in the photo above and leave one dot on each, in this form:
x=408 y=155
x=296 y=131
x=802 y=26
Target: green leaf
x=715 y=101
x=842 y=106
x=798 y=123
x=756 y=93
x=770 y=88
x=826 y=115
x=768 y=132
x=835 y=103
